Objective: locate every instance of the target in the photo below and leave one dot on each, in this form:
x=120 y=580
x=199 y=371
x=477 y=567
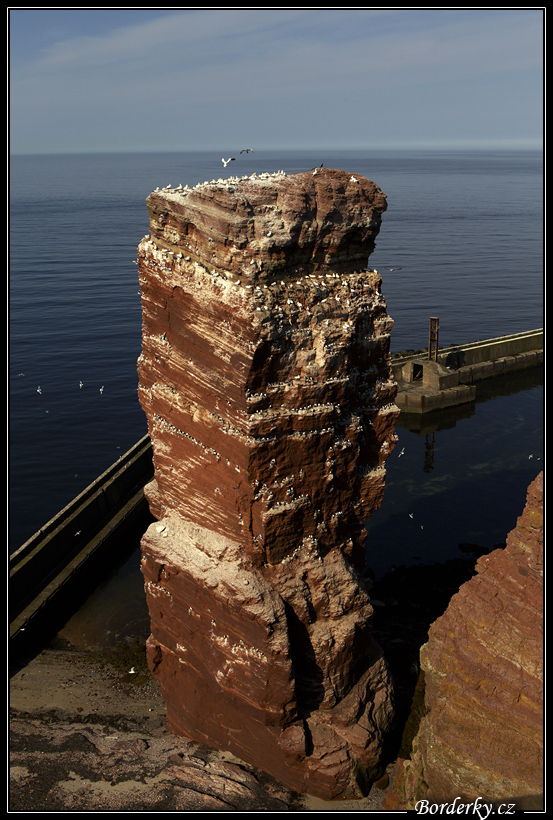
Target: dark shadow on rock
x=309 y=689
x=406 y=601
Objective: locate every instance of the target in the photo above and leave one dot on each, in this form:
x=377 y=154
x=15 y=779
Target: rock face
x=482 y=730
x=265 y=377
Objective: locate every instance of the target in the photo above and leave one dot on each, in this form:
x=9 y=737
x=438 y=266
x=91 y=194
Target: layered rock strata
x=265 y=377
x=481 y=734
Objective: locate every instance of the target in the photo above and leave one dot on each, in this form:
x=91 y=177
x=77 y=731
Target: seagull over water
x=226 y=161
x=393 y=268
x=246 y=150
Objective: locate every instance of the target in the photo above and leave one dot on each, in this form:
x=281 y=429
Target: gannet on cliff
x=226 y=161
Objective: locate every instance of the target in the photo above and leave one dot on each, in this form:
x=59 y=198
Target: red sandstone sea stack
x=265 y=377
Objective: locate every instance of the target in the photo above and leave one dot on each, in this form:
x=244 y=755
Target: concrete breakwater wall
x=63 y=562
x=429 y=384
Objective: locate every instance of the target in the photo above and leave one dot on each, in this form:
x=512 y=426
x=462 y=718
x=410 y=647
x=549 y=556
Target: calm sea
x=464 y=227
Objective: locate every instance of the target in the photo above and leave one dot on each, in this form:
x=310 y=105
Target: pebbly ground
x=88 y=734
x=88 y=720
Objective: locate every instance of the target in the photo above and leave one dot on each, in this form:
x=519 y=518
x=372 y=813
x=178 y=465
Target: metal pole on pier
x=433 y=338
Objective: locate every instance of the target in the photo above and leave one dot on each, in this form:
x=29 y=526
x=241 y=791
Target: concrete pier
x=425 y=384
x=65 y=560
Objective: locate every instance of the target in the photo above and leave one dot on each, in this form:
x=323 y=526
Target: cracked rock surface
x=87 y=735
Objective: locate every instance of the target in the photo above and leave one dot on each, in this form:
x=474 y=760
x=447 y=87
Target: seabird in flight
x=246 y=150
x=393 y=268
x=226 y=161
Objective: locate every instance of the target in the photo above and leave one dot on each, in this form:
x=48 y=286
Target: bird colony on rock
x=265 y=377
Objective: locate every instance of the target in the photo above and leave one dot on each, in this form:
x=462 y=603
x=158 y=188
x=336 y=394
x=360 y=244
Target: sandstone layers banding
x=265 y=377
x=481 y=731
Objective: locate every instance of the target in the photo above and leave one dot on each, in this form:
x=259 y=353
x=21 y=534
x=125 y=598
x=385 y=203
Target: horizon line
x=422 y=147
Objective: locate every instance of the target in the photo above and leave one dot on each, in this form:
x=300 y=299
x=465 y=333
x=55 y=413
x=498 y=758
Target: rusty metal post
x=433 y=338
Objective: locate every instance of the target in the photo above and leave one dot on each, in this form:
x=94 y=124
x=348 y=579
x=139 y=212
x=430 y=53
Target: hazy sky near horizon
x=274 y=78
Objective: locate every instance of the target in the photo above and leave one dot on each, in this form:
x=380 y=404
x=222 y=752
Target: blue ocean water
x=464 y=227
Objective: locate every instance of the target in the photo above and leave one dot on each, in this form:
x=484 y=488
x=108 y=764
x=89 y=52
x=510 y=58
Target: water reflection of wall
x=485 y=390
x=457 y=475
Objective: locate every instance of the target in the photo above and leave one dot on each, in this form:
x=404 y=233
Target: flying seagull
x=246 y=150
x=393 y=268
x=226 y=161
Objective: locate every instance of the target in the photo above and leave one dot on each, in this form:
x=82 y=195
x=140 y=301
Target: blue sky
x=274 y=78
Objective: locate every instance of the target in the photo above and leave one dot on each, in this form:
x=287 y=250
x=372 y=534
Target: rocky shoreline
x=87 y=734
x=89 y=724
x=88 y=727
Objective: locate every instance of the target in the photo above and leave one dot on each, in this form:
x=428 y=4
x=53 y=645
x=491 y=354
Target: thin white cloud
x=172 y=35
x=454 y=49
x=183 y=63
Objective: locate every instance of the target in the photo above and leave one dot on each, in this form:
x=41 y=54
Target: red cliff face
x=482 y=731
x=266 y=381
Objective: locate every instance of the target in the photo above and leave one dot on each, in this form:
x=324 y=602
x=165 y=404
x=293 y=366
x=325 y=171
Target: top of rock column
x=271 y=225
